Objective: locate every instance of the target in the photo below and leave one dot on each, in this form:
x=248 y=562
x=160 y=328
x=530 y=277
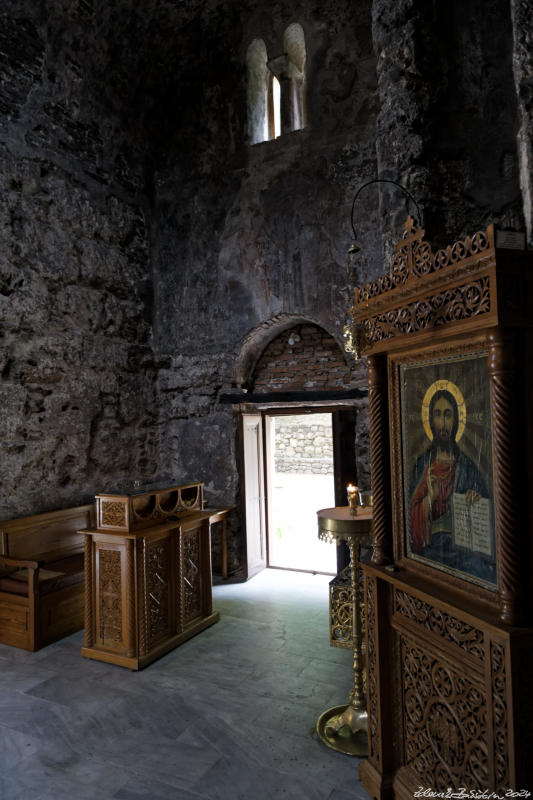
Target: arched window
x=276 y=106
x=294 y=47
x=276 y=87
x=258 y=92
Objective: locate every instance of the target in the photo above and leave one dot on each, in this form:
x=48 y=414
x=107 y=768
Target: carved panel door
x=111 y=630
x=160 y=589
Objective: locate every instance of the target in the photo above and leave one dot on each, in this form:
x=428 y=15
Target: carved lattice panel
x=113 y=514
x=374 y=739
x=449 y=628
x=445 y=722
x=461 y=302
x=192 y=588
x=110 y=596
x=499 y=711
x=158 y=586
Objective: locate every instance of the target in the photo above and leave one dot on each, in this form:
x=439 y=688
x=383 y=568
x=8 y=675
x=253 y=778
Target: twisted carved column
x=379 y=458
x=507 y=446
x=88 y=592
x=177 y=539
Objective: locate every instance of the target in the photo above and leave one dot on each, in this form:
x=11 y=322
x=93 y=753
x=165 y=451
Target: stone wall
x=144 y=240
x=76 y=364
x=304 y=444
x=448 y=117
x=523 y=69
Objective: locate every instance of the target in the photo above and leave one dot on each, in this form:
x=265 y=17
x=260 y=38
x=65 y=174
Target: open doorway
x=296 y=461
x=300 y=481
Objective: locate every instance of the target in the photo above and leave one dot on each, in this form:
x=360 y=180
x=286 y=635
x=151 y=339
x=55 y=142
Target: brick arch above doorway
x=302 y=357
x=276 y=331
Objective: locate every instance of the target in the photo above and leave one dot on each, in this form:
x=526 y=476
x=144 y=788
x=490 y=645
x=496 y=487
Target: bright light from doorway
x=300 y=482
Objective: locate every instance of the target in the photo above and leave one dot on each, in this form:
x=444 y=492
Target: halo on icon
x=454 y=390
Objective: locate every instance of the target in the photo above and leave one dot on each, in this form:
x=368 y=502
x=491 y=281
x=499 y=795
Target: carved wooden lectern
x=147 y=574
x=448 y=592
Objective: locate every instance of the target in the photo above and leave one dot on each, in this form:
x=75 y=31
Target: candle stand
x=344 y=728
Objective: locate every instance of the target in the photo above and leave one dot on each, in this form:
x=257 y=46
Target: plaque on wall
x=447 y=466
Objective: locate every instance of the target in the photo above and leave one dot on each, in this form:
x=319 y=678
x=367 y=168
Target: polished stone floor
x=229 y=715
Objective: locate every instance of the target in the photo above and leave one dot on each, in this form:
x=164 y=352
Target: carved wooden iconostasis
x=448 y=591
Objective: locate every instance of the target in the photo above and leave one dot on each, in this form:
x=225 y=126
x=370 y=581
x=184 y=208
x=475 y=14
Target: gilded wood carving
x=191 y=575
x=453 y=705
x=158 y=589
x=499 y=715
x=415 y=257
x=445 y=719
x=374 y=745
x=446 y=626
x=110 y=595
x=113 y=514
x=461 y=302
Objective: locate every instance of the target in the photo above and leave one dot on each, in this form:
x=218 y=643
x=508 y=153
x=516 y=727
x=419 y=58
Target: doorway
x=280 y=500
x=300 y=480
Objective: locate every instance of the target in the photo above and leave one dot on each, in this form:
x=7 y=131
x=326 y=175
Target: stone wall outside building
x=304 y=444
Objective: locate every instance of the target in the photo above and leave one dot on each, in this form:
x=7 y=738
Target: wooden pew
x=42 y=576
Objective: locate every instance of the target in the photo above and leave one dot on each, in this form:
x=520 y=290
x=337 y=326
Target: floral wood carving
x=445 y=722
x=110 y=589
x=499 y=714
x=439 y=622
x=470 y=299
x=113 y=514
x=415 y=258
x=374 y=743
x=191 y=575
x=158 y=589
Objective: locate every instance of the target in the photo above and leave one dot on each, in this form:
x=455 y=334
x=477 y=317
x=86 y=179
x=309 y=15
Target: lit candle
x=352 y=492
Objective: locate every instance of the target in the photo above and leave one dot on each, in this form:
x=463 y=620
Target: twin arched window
x=276 y=87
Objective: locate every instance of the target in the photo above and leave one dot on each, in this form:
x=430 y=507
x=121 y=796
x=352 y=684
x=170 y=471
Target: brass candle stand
x=344 y=728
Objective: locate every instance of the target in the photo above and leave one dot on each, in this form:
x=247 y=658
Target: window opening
x=276 y=87
x=276 y=102
x=257 y=92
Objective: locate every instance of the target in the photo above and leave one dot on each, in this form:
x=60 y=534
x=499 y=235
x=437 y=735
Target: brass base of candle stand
x=345 y=730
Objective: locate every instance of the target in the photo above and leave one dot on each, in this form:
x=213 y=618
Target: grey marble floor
x=229 y=715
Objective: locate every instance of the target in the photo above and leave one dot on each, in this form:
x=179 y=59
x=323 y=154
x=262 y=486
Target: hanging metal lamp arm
x=382 y=180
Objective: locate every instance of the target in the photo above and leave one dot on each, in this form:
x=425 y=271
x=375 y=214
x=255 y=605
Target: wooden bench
x=42 y=576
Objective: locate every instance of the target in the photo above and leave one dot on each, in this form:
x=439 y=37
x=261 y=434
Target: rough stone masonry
x=143 y=238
